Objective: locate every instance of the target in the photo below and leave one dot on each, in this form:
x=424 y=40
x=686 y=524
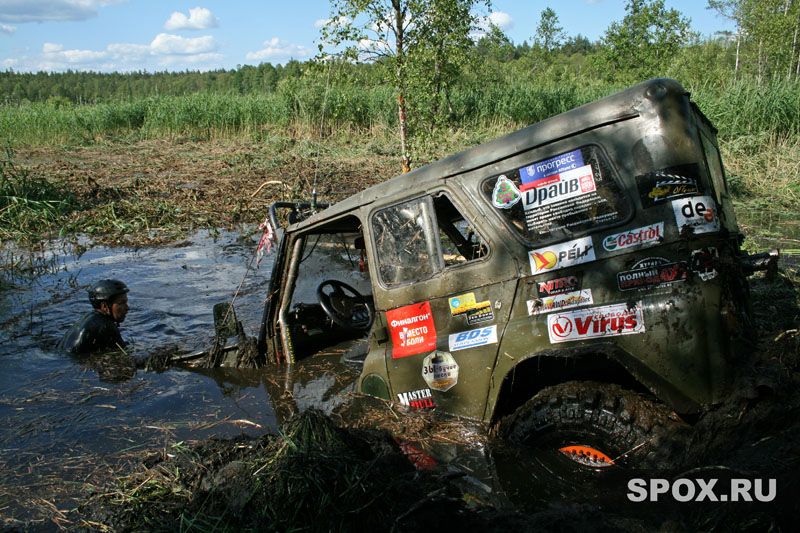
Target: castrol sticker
x=635 y=238
x=595 y=322
x=412 y=330
x=561 y=255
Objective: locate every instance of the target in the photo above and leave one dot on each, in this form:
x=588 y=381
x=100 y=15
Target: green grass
x=738 y=109
x=28 y=202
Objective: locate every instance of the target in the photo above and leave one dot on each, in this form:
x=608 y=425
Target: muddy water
x=66 y=424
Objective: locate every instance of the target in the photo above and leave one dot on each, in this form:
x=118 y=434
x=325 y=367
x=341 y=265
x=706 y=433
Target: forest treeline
x=747 y=81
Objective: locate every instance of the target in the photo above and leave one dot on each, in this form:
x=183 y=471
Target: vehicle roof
x=618 y=106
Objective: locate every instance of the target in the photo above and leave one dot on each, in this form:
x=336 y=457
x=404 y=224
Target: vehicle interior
x=331 y=303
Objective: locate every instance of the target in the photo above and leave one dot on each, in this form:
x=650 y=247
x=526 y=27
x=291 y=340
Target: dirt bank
x=155 y=191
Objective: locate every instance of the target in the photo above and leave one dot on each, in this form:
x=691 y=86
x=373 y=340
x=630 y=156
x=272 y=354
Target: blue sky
x=125 y=35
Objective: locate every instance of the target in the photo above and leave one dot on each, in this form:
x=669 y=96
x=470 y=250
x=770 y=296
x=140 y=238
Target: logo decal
x=558 y=285
x=440 y=371
x=567 y=300
x=652 y=272
x=697 y=214
x=561 y=255
x=546 y=172
x=596 y=322
x=667 y=184
x=704 y=262
x=473 y=338
x=635 y=238
x=412 y=329
x=417 y=399
x=505 y=194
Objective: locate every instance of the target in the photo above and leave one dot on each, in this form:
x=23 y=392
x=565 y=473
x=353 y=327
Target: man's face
x=119 y=308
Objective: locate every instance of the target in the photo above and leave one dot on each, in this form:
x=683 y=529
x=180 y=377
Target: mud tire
x=632 y=429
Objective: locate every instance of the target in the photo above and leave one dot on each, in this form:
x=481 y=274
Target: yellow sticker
x=462 y=303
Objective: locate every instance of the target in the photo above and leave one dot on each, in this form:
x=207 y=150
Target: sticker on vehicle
x=440 y=371
x=596 y=322
x=473 y=338
x=559 y=302
x=652 y=272
x=546 y=172
x=558 y=285
x=417 y=399
x=412 y=329
x=561 y=255
x=505 y=194
x=697 y=214
x=480 y=314
x=635 y=238
x=704 y=262
x=668 y=183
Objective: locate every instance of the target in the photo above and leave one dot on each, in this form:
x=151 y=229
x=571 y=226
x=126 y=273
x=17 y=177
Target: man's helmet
x=106 y=289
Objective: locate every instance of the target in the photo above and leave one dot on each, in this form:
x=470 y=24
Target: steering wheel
x=347 y=311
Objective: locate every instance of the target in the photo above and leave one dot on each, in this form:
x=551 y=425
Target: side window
x=554 y=198
x=417 y=239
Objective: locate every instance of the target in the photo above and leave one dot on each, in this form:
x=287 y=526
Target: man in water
x=99 y=330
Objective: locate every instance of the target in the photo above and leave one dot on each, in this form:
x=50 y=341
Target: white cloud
x=163 y=52
x=8 y=29
x=55 y=53
x=501 y=19
x=195 y=59
x=168 y=44
x=19 y=11
x=277 y=49
x=321 y=23
x=199 y=18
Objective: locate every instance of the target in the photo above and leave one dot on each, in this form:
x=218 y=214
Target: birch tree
x=421 y=44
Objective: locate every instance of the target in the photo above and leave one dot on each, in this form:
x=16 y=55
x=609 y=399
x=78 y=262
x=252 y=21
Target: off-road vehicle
x=579 y=281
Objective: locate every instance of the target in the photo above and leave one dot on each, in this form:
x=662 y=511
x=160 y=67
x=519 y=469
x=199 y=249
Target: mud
x=90 y=445
x=374 y=466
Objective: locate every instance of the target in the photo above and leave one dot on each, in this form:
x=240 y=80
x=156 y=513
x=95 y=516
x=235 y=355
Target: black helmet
x=106 y=289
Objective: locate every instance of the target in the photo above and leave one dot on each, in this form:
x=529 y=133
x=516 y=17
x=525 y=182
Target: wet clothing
x=95 y=332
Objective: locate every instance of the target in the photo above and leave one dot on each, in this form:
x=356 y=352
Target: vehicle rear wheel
x=598 y=425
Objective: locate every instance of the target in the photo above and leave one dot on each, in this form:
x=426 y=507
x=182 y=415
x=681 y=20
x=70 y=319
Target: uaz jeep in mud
x=579 y=282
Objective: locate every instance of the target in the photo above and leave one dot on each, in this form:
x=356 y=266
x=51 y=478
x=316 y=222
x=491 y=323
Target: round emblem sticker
x=440 y=371
x=505 y=194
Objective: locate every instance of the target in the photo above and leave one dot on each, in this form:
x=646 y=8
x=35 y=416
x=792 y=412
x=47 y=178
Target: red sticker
x=412 y=329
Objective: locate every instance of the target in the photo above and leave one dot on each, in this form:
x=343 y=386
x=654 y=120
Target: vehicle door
x=445 y=294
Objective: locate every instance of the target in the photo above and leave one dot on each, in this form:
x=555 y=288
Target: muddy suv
x=579 y=281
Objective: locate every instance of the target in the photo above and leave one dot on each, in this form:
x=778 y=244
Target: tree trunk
x=738 y=44
x=401 y=112
x=399 y=22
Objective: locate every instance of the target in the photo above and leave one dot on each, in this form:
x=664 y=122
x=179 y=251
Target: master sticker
x=417 y=399
x=440 y=371
x=505 y=194
x=412 y=330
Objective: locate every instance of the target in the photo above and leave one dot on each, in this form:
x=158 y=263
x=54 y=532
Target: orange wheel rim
x=586 y=455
